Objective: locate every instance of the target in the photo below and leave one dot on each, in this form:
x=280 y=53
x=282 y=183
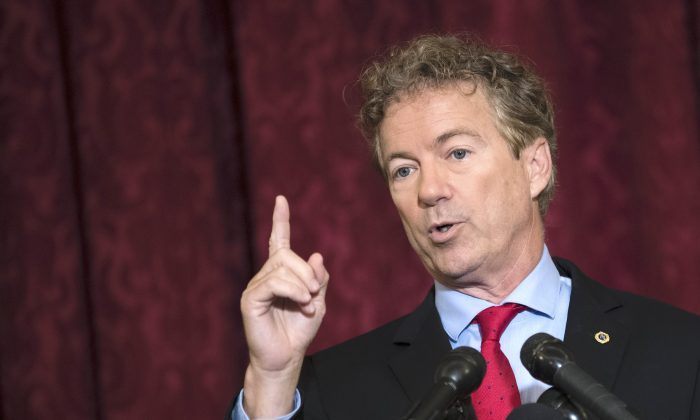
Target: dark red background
x=142 y=143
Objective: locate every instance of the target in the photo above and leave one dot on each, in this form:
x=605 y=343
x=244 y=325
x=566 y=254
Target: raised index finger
x=279 y=237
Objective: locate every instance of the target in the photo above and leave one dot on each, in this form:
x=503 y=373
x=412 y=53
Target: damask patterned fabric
x=142 y=144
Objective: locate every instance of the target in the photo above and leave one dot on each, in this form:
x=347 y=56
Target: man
x=465 y=138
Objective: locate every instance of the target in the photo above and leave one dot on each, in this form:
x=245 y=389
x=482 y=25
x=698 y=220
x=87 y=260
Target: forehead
x=429 y=113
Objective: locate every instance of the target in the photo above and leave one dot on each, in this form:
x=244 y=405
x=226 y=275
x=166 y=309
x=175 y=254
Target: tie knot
x=494 y=320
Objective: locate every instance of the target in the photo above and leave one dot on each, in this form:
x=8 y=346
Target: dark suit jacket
x=652 y=361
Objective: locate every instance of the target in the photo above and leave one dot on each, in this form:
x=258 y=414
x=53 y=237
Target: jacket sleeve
x=311 y=402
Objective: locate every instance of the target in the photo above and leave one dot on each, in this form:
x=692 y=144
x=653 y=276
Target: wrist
x=270 y=394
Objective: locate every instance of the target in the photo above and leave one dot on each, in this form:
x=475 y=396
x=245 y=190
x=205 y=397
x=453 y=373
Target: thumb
x=320 y=272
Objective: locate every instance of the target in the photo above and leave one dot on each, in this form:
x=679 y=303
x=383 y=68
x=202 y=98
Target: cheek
x=410 y=223
x=402 y=197
x=512 y=207
x=403 y=207
x=503 y=196
x=491 y=190
x=412 y=234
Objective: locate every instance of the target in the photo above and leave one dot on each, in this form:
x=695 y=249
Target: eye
x=403 y=172
x=459 y=154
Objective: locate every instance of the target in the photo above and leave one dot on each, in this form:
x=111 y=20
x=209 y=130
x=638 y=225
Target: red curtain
x=142 y=144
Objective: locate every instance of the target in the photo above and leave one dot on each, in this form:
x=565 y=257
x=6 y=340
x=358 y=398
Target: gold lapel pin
x=602 y=337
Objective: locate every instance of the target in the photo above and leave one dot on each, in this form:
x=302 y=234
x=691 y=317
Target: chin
x=452 y=266
x=452 y=273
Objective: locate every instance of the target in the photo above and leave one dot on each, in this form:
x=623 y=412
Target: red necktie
x=498 y=394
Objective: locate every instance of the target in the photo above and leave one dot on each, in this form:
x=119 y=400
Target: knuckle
x=244 y=302
x=308 y=272
x=279 y=254
x=281 y=271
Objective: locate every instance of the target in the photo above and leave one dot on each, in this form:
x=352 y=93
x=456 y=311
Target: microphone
x=560 y=402
x=547 y=359
x=458 y=374
x=534 y=411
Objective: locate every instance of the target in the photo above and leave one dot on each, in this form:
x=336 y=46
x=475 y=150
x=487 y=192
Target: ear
x=537 y=159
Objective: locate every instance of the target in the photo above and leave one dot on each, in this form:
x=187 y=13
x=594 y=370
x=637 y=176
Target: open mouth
x=442 y=233
x=443 y=228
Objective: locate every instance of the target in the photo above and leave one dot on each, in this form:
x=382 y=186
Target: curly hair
x=522 y=107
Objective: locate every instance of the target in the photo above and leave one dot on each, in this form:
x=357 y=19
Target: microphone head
x=534 y=411
x=464 y=368
x=543 y=355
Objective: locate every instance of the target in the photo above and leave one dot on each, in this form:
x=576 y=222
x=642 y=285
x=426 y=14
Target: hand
x=282 y=309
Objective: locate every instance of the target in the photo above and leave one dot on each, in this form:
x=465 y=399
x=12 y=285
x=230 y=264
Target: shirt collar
x=538 y=291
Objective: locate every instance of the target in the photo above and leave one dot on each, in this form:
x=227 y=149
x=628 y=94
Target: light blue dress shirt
x=240 y=414
x=546 y=295
x=543 y=291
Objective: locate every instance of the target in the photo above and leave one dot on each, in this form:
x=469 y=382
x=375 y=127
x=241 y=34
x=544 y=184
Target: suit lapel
x=591 y=312
x=421 y=343
x=421 y=340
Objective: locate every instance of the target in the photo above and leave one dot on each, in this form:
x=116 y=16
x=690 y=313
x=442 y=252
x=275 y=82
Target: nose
x=433 y=186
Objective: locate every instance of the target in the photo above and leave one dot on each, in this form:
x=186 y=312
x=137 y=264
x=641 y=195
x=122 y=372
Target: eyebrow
x=439 y=140
x=442 y=138
x=399 y=155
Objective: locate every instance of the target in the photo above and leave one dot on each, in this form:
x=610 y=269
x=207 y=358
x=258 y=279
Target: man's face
x=466 y=203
